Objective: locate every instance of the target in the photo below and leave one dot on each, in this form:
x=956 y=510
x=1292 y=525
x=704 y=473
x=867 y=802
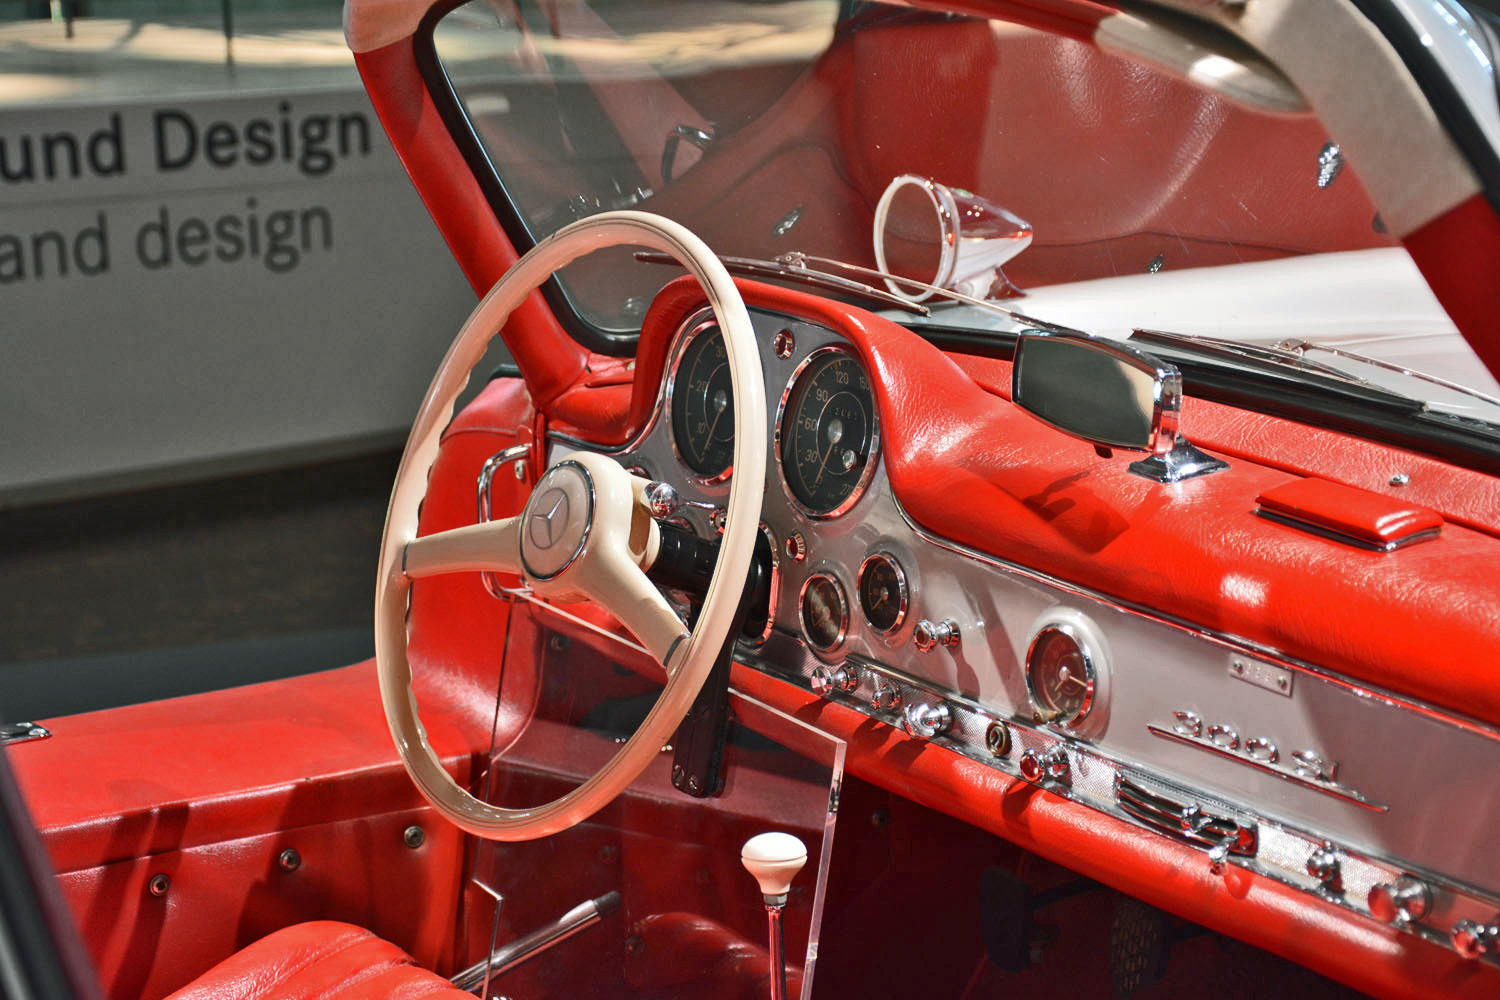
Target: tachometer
x=703 y=405
x=828 y=432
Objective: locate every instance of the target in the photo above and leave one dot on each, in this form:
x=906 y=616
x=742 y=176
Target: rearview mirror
x=1097 y=390
x=1111 y=396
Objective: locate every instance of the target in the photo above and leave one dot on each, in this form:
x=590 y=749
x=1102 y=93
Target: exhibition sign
x=191 y=281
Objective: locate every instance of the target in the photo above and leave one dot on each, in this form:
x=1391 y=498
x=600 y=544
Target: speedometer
x=703 y=404
x=828 y=432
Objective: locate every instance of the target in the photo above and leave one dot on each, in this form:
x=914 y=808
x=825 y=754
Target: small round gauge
x=1061 y=676
x=703 y=405
x=824 y=611
x=882 y=592
x=828 y=433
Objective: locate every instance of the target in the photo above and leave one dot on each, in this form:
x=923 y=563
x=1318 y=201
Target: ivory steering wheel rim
x=614 y=503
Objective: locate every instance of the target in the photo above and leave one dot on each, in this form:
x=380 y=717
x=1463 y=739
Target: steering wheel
x=585 y=532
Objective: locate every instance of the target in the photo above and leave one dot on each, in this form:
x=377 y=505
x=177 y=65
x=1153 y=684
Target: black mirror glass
x=1102 y=392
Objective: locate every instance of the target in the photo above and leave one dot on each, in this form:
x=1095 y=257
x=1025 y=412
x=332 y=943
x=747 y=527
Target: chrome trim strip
x=1336 y=791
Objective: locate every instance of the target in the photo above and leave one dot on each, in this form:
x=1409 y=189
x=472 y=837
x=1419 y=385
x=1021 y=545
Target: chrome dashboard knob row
x=927 y=636
x=830 y=680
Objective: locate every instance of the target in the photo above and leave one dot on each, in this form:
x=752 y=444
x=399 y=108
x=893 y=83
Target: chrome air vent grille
x=1186 y=820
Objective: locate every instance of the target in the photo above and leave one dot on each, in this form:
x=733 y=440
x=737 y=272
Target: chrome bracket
x=1184 y=461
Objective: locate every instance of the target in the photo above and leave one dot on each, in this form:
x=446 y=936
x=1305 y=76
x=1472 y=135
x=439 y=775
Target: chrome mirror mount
x=1111 y=396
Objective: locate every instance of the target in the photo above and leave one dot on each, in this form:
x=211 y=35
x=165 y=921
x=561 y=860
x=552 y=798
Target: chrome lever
x=663 y=501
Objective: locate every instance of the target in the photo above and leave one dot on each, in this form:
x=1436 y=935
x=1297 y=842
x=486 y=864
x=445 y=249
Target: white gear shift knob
x=774 y=859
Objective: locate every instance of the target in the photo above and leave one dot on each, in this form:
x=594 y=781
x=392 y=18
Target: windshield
x=1131 y=197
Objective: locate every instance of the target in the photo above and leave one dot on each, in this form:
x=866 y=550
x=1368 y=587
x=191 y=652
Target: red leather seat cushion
x=321 y=960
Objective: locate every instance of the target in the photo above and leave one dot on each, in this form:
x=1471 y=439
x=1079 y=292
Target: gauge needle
x=721 y=401
x=1066 y=680
x=835 y=431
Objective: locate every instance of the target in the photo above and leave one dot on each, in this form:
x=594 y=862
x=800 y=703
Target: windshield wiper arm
x=1300 y=347
x=788 y=269
x=1277 y=356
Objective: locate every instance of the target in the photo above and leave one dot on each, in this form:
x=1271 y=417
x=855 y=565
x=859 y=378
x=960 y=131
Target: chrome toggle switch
x=1049 y=765
x=830 y=680
x=925 y=721
x=1400 y=902
x=1471 y=939
x=927 y=636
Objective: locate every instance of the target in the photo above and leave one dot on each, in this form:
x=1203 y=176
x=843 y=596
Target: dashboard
x=1260 y=760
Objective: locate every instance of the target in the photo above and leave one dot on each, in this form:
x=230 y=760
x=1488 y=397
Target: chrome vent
x=1185 y=820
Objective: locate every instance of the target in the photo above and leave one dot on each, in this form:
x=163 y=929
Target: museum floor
x=168 y=591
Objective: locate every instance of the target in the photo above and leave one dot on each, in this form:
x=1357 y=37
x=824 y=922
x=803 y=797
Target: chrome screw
x=1400 y=479
x=413 y=836
x=289 y=860
x=159 y=884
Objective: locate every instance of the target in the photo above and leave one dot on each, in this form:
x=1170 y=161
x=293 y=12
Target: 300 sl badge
x=1309 y=768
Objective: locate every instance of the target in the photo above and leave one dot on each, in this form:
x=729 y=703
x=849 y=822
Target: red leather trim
x=1362 y=515
x=1175 y=877
x=321 y=960
x=1461 y=495
x=550 y=359
x=1459 y=255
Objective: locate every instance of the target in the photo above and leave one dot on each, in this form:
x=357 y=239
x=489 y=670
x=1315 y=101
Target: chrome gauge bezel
x=874 y=459
x=903 y=593
x=1078 y=629
x=690 y=330
x=843 y=636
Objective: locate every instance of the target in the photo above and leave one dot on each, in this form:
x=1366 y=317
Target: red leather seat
x=321 y=960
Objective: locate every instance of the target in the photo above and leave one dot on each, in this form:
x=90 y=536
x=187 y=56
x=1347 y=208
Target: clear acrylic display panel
x=691 y=920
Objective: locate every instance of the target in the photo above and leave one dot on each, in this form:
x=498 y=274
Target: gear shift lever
x=774 y=859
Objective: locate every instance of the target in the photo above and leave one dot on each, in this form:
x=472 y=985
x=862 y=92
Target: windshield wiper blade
x=787 y=269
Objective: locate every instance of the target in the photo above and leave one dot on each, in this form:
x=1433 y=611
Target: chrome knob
x=1051 y=764
x=928 y=636
x=830 y=680
x=886 y=697
x=925 y=721
x=1323 y=865
x=1401 y=901
x=1471 y=939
